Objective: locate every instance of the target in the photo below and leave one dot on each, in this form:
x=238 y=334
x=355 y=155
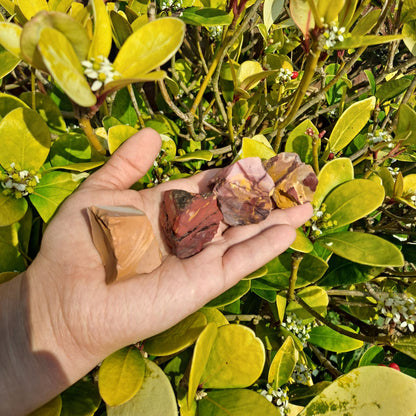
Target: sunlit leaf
x=102 y=37
x=206 y=17
x=302 y=16
x=10 y=37
x=330 y=340
x=409 y=33
x=11 y=209
x=271 y=11
x=31 y=7
x=118 y=135
x=231 y=295
x=283 y=364
x=8 y=62
x=366 y=23
x=358 y=41
x=315 y=297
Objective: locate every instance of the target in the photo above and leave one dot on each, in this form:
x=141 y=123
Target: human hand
x=79 y=320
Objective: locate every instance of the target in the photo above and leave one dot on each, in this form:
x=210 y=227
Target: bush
x=330 y=80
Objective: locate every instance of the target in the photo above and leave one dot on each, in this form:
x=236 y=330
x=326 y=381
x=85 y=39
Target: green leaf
x=8 y=62
x=52 y=408
x=231 y=295
x=371 y=80
x=352 y=120
x=407 y=345
x=409 y=33
x=81 y=399
x=70 y=148
x=11 y=209
x=10 y=38
x=236 y=359
x=177 y=338
x=366 y=391
x=310 y=270
x=358 y=41
x=198 y=155
x=392 y=88
x=9 y=103
x=121 y=376
x=52 y=189
x=302 y=243
x=214 y=315
x=271 y=11
x=206 y=17
x=333 y=173
x=347 y=13
x=63 y=64
x=330 y=340
x=155 y=397
x=25 y=139
x=328 y=10
x=235 y=402
x=121 y=28
x=363 y=248
x=353 y=200
x=283 y=364
x=254 y=147
x=78 y=167
x=301 y=143
x=151 y=45
x=408 y=11
x=315 y=297
x=117 y=135
x=366 y=23
x=200 y=357
x=373 y=356
x=48 y=110
x=406 y=124
x=10 y=256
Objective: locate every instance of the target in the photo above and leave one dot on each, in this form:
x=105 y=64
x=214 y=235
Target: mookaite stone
x=243 y=190
x=189 y=221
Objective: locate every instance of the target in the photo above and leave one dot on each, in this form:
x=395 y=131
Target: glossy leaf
x=407 y=345
x=315 y=297
x=63 y=64
x=118 y=135
x=330 y=340
x=363 y=248
x=251 y=147
x=231 y=295
x=178 y=337
x=333 y=173
x=301 y=143
x=392 y=88
x=328 y=9
x=81 y=399
x=235 y=402
x=10 y=37
x=302 y=243
x=121 y=28
x=366 y=23
x=200 y=357
x=302 y=16
x=352 y=120
x=155 y=397
x=60 y=5
x=366 y=391
x=409 y=33
x=31 y=7
x=346 y=14
x=236 y=359
x=102 y=37
x=52 y=408
x=197 y=155
x=121 y=376
x=10 y=259
x=151 y=45
x=283 y=364
x=214 y=315
x=353 y=200
x=70 y=148
x=11 y=209
x=52 y=190
x=373 y=356
x=206 y=17
x=358 y=41
x=8 y=62
x=407 y=124
x=271 y=11
x=25 y=139
x=8 y=103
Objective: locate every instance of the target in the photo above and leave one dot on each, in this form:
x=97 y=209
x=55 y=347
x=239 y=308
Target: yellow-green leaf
x=62 y=62
x=407 y=345
x=30 y=7
x=353 y=200
x=283 y=364
x=409 y=33
x=197 y=155
x=407 y=124
x=363 y=248
x=372 y=390
x=302 y=16
x=151 y=45
x=328 y=9
x=118 y=135
x=330 y=340
x=366 y=23
x=10 y=259
x=271 y=11
x=236 y=359
x=231 y=295
x=121 y=376
x=334 y=173
x=302 y=243
x=352 y=120
x=256 y=148
x=358 y=41
x=102 y=37
x=25 y=139
x=200 y=357
x=52 y=408
x=177 y=338
x=315 y=297
x=8 y=62
x=10 y=37
x=123 y=82
x=11 y=209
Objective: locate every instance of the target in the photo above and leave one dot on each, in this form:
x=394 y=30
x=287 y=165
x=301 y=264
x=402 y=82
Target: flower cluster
x=100 y=70
x=297 y=327
x=380 y=136
x=18 y=182
x=285 y=75
x=397 y=309
x=302 y=374
x=333 y=34
x=320 y=221
x=278 y=397
x=393 y=171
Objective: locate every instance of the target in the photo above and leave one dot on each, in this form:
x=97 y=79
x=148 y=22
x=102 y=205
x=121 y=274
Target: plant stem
x=85 y=124
x=296 y=259
x=135 y=105
x=33 y=85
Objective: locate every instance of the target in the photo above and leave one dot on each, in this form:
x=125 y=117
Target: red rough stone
x=243 y=190
x=189 y=221
x=295 y=181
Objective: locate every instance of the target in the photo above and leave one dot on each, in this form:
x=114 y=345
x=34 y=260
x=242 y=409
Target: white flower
x=100 y=70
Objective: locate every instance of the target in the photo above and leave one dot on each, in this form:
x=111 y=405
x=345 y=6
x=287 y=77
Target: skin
x=59 y=319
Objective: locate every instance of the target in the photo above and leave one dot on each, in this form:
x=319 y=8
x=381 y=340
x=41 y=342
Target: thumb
x=129 y=163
